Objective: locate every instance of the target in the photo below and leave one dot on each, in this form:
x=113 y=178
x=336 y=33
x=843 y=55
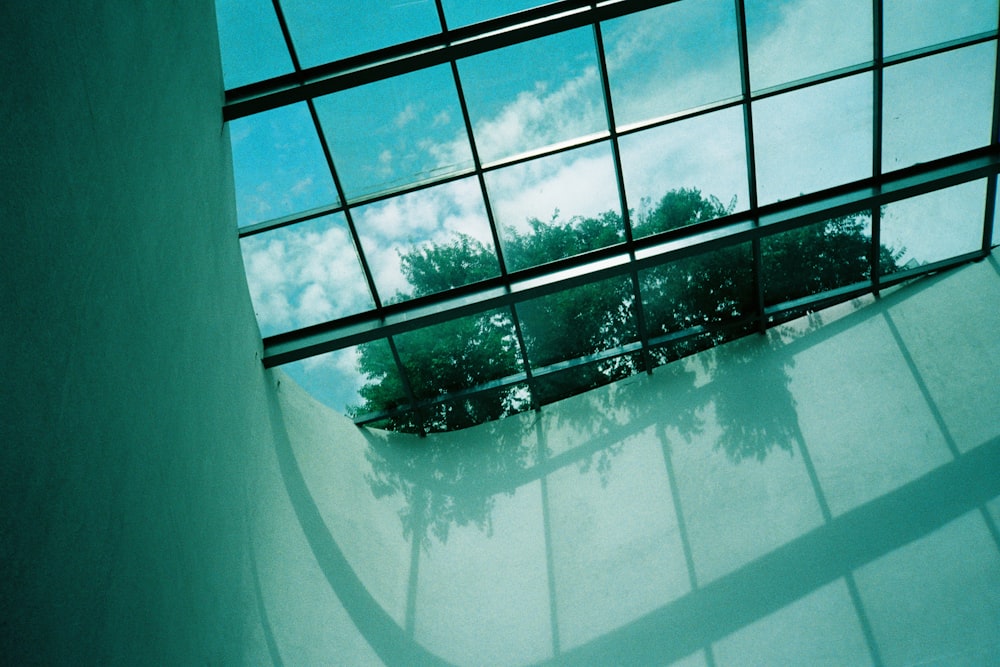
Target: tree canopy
x=708 y=290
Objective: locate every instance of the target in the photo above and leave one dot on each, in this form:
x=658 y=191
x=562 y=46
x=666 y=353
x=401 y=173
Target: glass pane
x=556 y=206
x=253 y=48
x=483 y=407
x=704 y=290
x=563 y=384
x=427 y=241
x=794 y=40
x=381 y=388
x=534 y=94
x=578 y=322
x=334 y=378
x=816 y=258
x=672 y=58
x=938 y=105
x=278 y=165
x=327 y=31
x=460 y=354
x=304 y=274
x=935 y=226
x=396 y=132
x=814 y=138
x=685 y=172
x=911 y=25
x=464 y=12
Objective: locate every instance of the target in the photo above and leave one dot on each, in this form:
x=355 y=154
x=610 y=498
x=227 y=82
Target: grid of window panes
x=453 y=211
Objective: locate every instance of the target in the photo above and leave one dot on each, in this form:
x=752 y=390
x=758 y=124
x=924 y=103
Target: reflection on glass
x=563 y=384
x=911 y=25
x=278 y=165
x=483 y=407
x=672 y=58
x=381 y=388
x=935 y=226
x=818 y=258
x=459 y=354
x=703 y=158
x=996 y=217
x=334 y=378
x=794 y=40
x=463 y=12
x=578 y=322
x=327 y=31
x=938 y=105
x=709 y=289
x=533 y=95
x=250 y=27
x=427 y=241
x=531 y=204
x=395 y=132
x=304 y=274
x=814 y=138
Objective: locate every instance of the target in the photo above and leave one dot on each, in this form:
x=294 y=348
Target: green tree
x=708 y=290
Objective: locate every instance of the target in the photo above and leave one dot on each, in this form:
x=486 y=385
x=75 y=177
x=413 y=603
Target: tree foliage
x=707 y=290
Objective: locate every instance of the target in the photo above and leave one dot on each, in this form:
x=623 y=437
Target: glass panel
x=556 y=206
x=253 y=48
x=935 y=226
x=278 y=165
x=381 y=388
x=813 y=138
x=460 y=354
x=704 y=290
x=396 y=132
x=816 y=258
x=672 y=58
x=685 y=172
x=304 y=274
x=938 y=105
x=534 y=94
x=327 y=31
x=911 y=25
x=577 y=322
x=563 y=384
x=334 y=378
x=794 y=40
x=427 y=241
x=464 y=12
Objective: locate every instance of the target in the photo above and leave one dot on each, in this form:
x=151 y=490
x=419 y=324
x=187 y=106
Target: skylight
x=453 y=211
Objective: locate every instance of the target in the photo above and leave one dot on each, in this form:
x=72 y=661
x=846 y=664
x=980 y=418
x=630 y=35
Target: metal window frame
x=511 y=288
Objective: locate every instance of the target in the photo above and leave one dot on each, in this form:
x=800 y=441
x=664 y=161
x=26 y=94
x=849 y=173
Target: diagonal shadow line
x=803 y=565
x=381 y=632
x=265 y=621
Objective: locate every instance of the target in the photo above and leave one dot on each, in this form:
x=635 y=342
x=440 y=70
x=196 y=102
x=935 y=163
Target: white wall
x=133 y=407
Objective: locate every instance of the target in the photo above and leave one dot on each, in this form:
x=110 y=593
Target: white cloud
x=406 y=116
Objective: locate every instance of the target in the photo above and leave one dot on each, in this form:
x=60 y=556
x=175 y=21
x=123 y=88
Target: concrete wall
x=133 y=408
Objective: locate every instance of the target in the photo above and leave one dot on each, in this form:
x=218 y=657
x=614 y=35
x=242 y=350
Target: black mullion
x=758 y=261
x=989 y=217
x=404 y=378
x=523 y=347
x=369 y=278
x=640 y=315
x=877 y=113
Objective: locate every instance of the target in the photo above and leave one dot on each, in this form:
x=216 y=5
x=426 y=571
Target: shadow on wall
x=742 y=391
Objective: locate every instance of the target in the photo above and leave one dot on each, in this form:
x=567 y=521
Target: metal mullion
x=422 y=53
x=757 y=264
x=369 y=278
x=525 y=362
x=285 y=221
x=626 y=218
x=989 y=216
x=404 y=378
x=877 y=113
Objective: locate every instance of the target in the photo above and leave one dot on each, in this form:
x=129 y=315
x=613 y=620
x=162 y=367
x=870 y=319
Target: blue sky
x=535 y=95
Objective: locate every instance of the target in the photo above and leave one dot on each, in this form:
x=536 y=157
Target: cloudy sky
x=531 y=96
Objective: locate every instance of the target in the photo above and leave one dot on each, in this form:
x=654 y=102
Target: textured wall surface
x=133 y=405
